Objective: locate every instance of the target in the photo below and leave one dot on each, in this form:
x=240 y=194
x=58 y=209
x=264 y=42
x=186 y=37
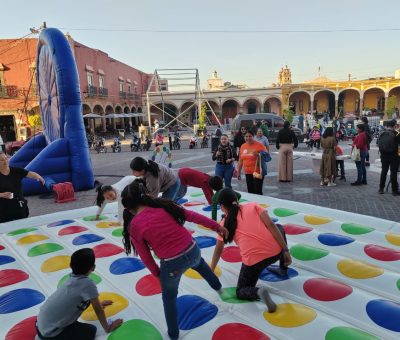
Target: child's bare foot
x=278 y=271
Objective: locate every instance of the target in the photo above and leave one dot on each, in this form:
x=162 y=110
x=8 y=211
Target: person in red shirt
x=193 y=178
x=157 y=225
x=361 y=143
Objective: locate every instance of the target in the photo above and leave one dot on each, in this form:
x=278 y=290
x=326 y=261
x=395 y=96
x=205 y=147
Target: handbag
x=257 y=175
x=267 y=157
x=355 y=154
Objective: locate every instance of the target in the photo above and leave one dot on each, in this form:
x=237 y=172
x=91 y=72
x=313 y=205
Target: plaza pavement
x=110 y=167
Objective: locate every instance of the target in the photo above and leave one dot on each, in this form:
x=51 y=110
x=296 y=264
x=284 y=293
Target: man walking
x=388 y=143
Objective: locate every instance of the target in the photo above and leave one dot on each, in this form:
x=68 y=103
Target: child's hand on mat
x=106 y=303
x=115 y=324
x=287 y=259
x=223 y=232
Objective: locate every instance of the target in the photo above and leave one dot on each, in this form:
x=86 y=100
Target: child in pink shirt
x=260 y=241
x=158 y=225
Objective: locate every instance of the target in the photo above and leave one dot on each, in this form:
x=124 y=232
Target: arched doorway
x=99 y=124
x=89 y=123
x=374 y=100
x=229 y=109
x=168 y=114
x=212 y=106
x=300 y=102
x=118 y=121
x=251 y=106
x=190 y=112
x=393 y=103
x=324 y=101
x=349 y=102
x=272 y=105
x=110 y=123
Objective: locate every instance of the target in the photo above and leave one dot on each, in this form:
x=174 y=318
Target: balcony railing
x=133 y=96
x=91 y=91
x=12 y=91
x=103 y=92
x=122 y=94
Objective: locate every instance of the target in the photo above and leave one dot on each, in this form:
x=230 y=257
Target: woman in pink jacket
x=361 y=143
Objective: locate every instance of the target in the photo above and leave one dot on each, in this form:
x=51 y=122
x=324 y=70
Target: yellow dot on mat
x=109 y=224
x=264 y=205
x=55 y=263
x=119 y=304
x=203 y=227
x=393 y=238
x=358 y=270
x=316 y=220
x=290 y=315
x=192 y=274
x=31 y=239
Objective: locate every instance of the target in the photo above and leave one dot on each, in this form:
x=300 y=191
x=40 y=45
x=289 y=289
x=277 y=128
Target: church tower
x=285 y=76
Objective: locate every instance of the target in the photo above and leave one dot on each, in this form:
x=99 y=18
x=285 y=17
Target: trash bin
x=214 y=143
x=121 y=133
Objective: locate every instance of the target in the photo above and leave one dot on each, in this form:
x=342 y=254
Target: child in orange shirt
x=260 y=241
x=340 y=162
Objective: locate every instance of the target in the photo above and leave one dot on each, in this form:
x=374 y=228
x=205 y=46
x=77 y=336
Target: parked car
x=13 y=147
x=274 y=122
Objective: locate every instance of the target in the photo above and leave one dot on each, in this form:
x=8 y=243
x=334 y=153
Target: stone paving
x=109 y=168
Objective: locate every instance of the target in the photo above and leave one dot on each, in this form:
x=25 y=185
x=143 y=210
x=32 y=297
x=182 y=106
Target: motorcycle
x=193 y=142
x=100 y=146
x=204 y=142
x=136 y=144
x=116 y=147
x=176 y=145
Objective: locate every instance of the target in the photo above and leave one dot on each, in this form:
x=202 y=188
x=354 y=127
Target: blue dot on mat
x=126 y=265
x=182 y=200
x=59 y=223
x=4 y=259
x=274 y=219
x=334 y=240
x=384 y=313
x=87 y=238
x=208 y=208
x=194 y=311
x=205 y=241
x=266 y=275
x=19 y=299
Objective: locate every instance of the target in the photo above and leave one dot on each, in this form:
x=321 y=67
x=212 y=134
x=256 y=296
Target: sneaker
x=356 y=183
x=322 y=183
x=396 y=193
x=367 y=164
x=331 y=184
x=381 y=191
x=266 y=298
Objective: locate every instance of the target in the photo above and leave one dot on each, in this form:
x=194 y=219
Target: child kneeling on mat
x=58 y=316
x=260 y=241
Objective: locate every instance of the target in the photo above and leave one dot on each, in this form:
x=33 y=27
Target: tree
x=35 y=120
x=202 y=116
x=288 y=114
x=391 y=106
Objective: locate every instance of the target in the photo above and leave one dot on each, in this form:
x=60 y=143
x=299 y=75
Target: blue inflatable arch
x=61 y=153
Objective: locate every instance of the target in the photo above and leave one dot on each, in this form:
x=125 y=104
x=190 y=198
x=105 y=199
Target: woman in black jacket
x=285 y=142
x=225 y=156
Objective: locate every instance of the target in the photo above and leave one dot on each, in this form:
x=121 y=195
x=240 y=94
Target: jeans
x=170 y=275
x=361 y=169
x=254 y=185
x=173 y=193
x=392 y=162
x=76 y=331
x=225 y=171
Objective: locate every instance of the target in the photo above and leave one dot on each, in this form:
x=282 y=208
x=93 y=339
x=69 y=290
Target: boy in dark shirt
x=58 y=316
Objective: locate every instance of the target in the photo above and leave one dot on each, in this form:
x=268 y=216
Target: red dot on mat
x=231 y=254
x=73 y=229
x=381 y=253
x=238 y=331
x=23 y=330
x=1 y=247
x=11 y=276
x=326 y=289
x=148 y=285
x=106 y=249
x=294 y=229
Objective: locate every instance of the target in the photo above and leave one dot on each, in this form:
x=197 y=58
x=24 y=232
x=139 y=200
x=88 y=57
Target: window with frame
x=90 y=78
x=101 y=82
x=121 y=86
x=129 y=88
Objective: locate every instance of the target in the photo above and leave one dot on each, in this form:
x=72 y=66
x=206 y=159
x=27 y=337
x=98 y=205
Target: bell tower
x=285 y=76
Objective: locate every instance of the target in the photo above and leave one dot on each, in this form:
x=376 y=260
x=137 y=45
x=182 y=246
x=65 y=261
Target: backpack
x=387 y=142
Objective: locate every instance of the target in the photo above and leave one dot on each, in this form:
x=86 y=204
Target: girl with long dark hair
x=158 y=178
x=261 y=244
x=157 y=224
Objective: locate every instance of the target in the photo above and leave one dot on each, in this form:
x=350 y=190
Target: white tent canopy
x=92 y=115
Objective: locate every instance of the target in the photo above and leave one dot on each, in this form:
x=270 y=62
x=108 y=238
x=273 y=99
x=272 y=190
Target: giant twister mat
x=344 y=282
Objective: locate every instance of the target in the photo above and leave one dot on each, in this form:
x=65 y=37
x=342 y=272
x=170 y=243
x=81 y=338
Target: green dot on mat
x=340 y=333
x=242 y=200
x=398 y=284
x=135 y=329
x=21 y=231
x=92 y=218
x=282 y=212
x=44 y=248
x=96 y=278
x=307 y=253
x=117 y=232
x=356 y=229
x=229 y=296
x=197 y=194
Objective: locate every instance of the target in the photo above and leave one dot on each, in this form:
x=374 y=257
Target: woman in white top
x=259 y=137
x=112 y=193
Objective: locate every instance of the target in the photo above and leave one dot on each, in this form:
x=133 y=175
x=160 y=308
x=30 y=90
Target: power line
x=138 y=30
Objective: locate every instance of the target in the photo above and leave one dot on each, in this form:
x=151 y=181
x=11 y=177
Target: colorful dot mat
x=344 y=282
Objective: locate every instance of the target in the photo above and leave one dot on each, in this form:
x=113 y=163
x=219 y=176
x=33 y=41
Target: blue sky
x=251 y=58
